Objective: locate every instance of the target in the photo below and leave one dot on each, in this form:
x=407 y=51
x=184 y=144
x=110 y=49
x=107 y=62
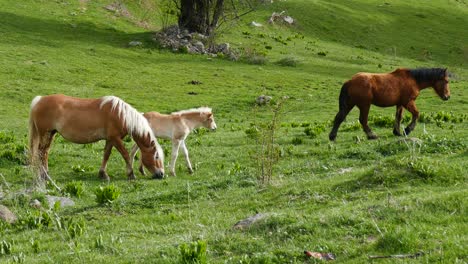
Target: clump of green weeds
x=5 y=248
x=316 y=130
x=288 y=62
x=193 y=253
x=106 y=194
x=75 y=188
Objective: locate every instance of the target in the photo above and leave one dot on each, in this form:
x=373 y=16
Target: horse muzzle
x=446 y=97
x=158 y=175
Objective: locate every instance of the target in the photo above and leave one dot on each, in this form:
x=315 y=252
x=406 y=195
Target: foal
x=176 y=127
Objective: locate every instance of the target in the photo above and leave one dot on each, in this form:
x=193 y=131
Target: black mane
x=428 y=74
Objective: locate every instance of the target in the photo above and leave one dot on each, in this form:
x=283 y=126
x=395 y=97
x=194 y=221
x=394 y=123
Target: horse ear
x=210 y=115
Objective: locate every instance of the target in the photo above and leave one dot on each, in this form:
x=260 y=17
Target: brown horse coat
x=400 y=87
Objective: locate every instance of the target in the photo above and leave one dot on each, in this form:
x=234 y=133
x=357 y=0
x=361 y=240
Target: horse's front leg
x=175 y=152
x=414 y=111
x=102 y=171
x=132 y=158
x=186 y=155
x=118 y=144
x=398 y=115
x=363 y=118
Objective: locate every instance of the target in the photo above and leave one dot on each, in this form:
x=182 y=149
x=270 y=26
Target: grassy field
x=352 y=197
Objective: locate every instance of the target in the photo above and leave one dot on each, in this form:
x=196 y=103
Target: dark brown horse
x=89 y=120
x=400 y=87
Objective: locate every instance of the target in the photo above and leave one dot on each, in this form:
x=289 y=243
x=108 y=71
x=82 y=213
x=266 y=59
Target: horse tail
x=342 y=112
x=33 y=133
x=344 y=96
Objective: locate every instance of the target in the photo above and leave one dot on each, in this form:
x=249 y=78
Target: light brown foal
x=85 y=121
x=176 y=127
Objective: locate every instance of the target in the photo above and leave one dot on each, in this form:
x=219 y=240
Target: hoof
x=372 y=137
x=332 y=137
x=142 y=171
x=172 y=173
x=407 y=131
x=396 y=133
x=103 y=176
x=190 y=171
x=131 y=177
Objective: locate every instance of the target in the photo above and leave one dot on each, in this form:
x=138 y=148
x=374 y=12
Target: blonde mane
x=134 y=121
x=203 y=109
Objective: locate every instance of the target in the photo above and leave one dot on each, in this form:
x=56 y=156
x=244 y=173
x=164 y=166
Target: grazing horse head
x=152 y=157
x=138 y=127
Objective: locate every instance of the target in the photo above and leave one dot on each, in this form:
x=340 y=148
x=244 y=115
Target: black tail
x=343 y=100
x=342 y=112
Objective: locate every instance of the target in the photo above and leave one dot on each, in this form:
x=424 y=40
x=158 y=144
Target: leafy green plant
x=38 y=220
x=107 y=194
x=5 y=248
x=75 y=227
x=35 y=245
x=315 y=131
x=297 y=141
x=193 y=253
x=75 y=188
x=81 y=168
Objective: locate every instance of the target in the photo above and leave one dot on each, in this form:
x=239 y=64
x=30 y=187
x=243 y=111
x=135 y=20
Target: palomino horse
x=400 y=87
x=89 y=120
x=176 y=127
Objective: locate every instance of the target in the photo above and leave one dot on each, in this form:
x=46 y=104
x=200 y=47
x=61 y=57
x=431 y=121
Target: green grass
x=353 y=198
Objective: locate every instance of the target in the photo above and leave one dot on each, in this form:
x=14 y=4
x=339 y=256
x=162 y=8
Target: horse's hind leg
x=102 y=171
x=398 y=115
x=175 y=152
x=363 y=118
x=414 y=111
x=186 y=155
x=43 y=151
x=339 y=118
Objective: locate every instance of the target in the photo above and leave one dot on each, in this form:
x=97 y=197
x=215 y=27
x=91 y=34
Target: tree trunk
x=200 y=15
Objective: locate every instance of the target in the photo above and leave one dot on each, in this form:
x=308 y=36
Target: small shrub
x=288 y=62
x=252 y=132
x=352 y=126
x=382 y=121
x=194 y=252
x=5 y=248
x=107 y=194
x=315 y=131
x=297 y=141
x=321 y=53
x=38 y=220
x=34 y=245
x=75 y=188
x=75 y=227
x=81 y=168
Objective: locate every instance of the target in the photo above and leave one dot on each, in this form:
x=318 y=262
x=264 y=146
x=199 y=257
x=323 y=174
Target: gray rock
x=64 y=201
x=246 y=223
x=135 y=43
x=35 y=203
x=7 y=215
x=263 y=99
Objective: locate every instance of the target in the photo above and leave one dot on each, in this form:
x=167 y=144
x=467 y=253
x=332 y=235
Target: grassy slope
x=381 y=206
